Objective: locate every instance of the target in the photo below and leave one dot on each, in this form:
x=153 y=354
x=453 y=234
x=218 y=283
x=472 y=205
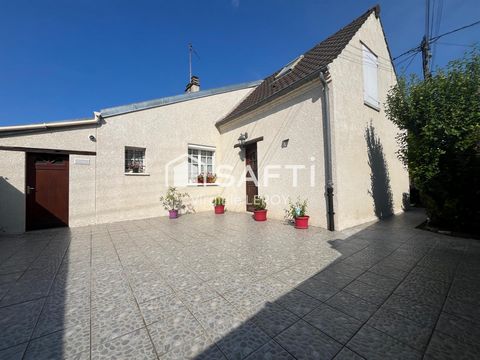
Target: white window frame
x=370 y=78
x=144 y=161
x=200 y=148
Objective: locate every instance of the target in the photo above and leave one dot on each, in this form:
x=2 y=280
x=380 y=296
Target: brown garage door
x=46 y=191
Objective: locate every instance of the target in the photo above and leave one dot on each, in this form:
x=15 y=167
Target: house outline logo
x=177 y=170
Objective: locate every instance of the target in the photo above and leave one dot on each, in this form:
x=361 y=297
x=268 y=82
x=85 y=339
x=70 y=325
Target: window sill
x=371 y=106
x=202 y=185
x=136 y=174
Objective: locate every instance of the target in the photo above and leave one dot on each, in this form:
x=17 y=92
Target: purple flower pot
x=173 y=214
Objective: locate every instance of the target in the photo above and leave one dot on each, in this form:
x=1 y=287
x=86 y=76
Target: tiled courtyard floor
x=216 y=287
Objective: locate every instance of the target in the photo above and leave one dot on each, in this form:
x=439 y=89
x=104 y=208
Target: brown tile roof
x=313 y=61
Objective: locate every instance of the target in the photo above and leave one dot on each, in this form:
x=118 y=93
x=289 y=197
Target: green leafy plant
x=218 y=201
x=295 y=209
x=259 y=203
x=173 y=200
x=439 y=119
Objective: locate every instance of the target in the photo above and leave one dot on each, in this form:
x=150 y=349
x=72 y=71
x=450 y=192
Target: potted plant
x=260 y=206
x=219 y=203
x=173 y=201
x=135 y=167
x=296 y=212
x=200 y=178
x=211 y=178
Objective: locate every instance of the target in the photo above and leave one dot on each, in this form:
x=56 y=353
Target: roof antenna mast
x=191 y=51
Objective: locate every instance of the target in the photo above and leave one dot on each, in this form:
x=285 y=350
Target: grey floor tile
x=468 y=311
x=242 y=341
x=373 y=294
x=459 y=328
x=352 y=305
x=13 y=353
x=115 y=323
x=373 y=344
x=174 y=331
x=423 y=314
x=270 y=351
x=161 y=308
x=172 y=266
x=318 y=289
x=401 y=328
x=442 y=346
x=334 y=323
x=337 y=279
x=64 y=344
x=273 y=319
x=379 y=280
x=200 y=348
x=135 y=345
x=17 y=322
x=347 y=354
x=304 y=341
x=298 y=302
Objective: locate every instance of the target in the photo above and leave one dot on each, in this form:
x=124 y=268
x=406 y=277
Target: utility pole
x=425 y=45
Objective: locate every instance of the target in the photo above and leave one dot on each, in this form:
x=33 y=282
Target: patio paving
x=216 y=287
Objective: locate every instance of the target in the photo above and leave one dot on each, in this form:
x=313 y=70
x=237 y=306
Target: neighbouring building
x=314 y=129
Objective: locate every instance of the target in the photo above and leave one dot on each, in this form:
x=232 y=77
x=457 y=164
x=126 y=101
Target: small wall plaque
x=81 y=161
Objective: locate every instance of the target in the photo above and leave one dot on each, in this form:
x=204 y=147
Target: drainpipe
x=327 y=139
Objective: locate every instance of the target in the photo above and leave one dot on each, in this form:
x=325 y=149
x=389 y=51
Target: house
x=314 y=129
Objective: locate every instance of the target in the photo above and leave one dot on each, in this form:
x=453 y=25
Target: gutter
x=327 y=143
x=46 y=126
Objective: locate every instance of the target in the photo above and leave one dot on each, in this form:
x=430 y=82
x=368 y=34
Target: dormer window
x=289 y=67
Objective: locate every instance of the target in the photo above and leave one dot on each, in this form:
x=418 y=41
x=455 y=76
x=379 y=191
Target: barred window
x=201 y=164
x=134 y=160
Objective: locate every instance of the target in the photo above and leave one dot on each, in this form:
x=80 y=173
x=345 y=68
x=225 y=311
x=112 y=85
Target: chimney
x=193 y=85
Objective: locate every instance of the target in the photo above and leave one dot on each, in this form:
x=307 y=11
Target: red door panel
x=46 y=191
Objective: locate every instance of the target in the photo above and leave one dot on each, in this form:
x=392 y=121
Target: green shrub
x=440 y=140
x=218 y=201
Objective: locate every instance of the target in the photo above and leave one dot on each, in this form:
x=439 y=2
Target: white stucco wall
x=73 y=138
x=351 y=118
x=165 y=133
x=297 y=117
x=12 y=198
x=82 y=199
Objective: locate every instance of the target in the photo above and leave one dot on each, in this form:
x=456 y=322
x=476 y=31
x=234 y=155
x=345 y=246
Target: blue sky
x=65 y=59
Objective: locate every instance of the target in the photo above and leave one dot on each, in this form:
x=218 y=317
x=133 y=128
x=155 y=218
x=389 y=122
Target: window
x=370 y=78
x=201 y=165
x=134 y=160
x=289 y=67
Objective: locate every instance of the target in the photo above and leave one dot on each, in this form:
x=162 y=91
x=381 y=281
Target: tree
x=440 y=140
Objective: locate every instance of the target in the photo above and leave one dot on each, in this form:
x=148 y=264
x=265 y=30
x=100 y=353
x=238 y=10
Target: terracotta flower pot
x=219 y=209
x=301 y=222
x=172 y=214
x=260 y=215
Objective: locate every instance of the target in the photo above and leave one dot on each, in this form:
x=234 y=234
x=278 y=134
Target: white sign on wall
x=81 y=161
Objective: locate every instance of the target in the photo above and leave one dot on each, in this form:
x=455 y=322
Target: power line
x=454 y=31
x=417 y=48
x=410 y=62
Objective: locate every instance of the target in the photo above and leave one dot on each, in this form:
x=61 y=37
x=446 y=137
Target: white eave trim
x=46 y=126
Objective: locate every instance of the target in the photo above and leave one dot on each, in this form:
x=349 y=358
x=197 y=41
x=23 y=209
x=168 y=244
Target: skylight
x=289 y=67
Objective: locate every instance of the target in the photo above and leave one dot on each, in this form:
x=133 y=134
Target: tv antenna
x=191 y=51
